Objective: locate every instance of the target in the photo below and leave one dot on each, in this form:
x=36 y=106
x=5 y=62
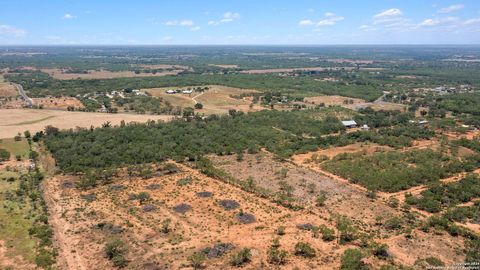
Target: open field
x=334 y=101
x=14 y=121
x=216 y=100
x=204 y=224
x=191 y=204
x=6 y=89
x=223 y=66
x=15 y=147
x=61 y=103
x=285 y=70
x=60 y=74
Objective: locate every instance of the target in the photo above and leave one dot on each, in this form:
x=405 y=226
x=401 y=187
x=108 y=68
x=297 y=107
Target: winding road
x=22 y=93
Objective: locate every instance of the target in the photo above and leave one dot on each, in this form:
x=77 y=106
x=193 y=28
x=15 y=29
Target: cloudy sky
x=239 y=22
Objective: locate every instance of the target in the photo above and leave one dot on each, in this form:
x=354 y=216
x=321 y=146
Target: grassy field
x=15 y=222
x=14 y=147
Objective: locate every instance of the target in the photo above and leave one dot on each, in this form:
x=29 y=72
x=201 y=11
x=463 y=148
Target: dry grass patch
x=61 y=74
x=13 y=121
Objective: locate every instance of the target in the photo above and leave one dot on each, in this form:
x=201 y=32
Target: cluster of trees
x=41 y=84
x=280 y=132
x=441 y=196
x=393 y=171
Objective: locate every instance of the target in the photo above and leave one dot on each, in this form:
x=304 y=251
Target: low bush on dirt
x=241 y=257
x=197 y=259
x=304 y=250
x=115 y=251
x=352 y=260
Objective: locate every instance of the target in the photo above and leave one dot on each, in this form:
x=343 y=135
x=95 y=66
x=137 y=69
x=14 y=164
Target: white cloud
x=68 y=16
x=167 y=38
x=330 y=21
x=387 y=16
x=311 y=10
x=306 y=22
x=186 y=23
x=226 y=18
x=472 y=21
x=452 y=8
x=195 y=28
x=8 y=30
x=439 y=21
x=183 y=23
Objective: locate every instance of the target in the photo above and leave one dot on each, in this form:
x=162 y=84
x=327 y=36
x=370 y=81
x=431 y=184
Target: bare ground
x=13 y=121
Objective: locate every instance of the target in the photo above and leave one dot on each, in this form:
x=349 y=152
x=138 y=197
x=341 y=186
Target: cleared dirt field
x=343 y=199
x=13 y=121
x=223 y=66
x=285 y=70
x=333 y=100
x=368 y=148
x=6 y=89
x=58 y=103
x=204 y=223
x=216 y=100
x=60 y=74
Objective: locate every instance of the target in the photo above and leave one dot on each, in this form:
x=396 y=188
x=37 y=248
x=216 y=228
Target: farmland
x=14 y=121
x=239 y=158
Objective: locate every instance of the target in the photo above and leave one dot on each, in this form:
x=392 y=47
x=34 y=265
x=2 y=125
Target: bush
x=352 y=260
x=240 y=258
x=327 y=233
x=115 y=251
x=197 y=259
x=277 y=256
x=321 y=198
x=44 y=259
x=4 y=155
x=304 y=250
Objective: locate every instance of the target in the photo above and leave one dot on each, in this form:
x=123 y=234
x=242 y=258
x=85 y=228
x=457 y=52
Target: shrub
x=304 y=250
x=44 y=259
x=327 y=233
x=242 y=257
x=115 y=251
x=352 y=260
x=280 y=230
x=277 y=256
x=197 y=259
x=321 y=198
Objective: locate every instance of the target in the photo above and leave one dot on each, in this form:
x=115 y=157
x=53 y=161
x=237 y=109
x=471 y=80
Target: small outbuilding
x=350 y=124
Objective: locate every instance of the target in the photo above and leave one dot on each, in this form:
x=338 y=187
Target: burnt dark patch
x=109 y=227
x=218 y=250
x=305 y=226
x=182 y=208
x=204 y=194
x=117 y=188
x=149 y=208
x=68 y=184
x=153 y=187
x=245 y=218
x=89 y=197
x=229 y=204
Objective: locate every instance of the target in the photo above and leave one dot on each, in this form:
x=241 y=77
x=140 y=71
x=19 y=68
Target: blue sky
x=239 y=22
